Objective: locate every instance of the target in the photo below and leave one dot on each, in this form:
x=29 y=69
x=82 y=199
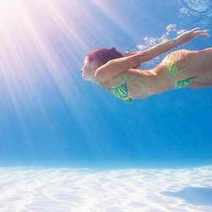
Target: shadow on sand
x=193 y=195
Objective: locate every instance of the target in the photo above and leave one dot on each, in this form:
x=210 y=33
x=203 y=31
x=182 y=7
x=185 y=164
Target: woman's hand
x=189 y=35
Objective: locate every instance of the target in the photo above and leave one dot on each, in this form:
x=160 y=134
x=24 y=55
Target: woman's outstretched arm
x=170 y=44
x=114 y=67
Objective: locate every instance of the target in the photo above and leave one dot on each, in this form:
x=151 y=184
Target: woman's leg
x=200 y=85
x=202 y=66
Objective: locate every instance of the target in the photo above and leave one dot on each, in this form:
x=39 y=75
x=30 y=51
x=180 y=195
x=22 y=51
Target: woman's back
x=178 y=69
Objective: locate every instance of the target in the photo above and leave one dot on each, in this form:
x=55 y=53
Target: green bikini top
x=121 y=91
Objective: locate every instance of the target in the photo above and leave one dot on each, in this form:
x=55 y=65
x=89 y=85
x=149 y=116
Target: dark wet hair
x=103 y=55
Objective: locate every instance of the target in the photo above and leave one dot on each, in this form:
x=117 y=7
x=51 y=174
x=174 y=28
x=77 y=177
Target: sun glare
x=30 y=34
x=28 y=58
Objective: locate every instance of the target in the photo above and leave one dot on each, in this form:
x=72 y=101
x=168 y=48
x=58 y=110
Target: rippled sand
x=87 y=190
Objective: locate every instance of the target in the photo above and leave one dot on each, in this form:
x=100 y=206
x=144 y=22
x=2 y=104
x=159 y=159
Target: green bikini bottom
x=121 y=92
x=173 y=70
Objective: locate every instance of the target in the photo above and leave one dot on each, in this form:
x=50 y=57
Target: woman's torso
x=178 y=66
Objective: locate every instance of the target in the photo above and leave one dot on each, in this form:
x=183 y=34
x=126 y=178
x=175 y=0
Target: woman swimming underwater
x=120 y=73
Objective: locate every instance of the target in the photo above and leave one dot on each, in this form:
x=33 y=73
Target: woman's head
x=97 y=58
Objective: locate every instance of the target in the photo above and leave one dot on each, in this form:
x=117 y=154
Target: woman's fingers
x=198 y=32
x=189 y=35
x=204 y=34
x=198 y=29
x=201 y=33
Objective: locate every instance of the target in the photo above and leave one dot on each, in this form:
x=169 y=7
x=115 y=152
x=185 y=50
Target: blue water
x=49 y=116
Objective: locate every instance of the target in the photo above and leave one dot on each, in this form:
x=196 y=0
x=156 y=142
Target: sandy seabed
x=88 y=190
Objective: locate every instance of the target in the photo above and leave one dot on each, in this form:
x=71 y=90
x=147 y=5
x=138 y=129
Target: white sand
x=87 y=190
